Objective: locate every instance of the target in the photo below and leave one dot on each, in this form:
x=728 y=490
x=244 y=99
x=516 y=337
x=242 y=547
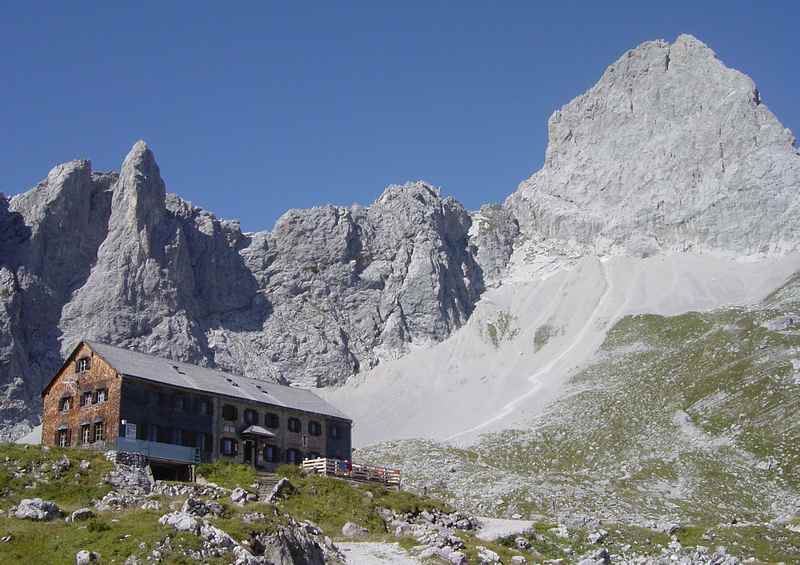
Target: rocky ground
x=64 y=506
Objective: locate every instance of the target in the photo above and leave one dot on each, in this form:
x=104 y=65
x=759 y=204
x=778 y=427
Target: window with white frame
x=63 y=437
x=65 y=404
x=229 y=447
x=86 y=434
x=99 y=431
x=100 y=395
x=82 y=365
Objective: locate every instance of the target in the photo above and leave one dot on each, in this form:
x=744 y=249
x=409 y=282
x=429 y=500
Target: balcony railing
x=160 y=451
x=354 y=471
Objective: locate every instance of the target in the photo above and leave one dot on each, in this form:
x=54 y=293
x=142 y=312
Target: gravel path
x=369 y=553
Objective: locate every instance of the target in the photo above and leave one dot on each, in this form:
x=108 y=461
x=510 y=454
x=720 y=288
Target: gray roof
x=212 y=381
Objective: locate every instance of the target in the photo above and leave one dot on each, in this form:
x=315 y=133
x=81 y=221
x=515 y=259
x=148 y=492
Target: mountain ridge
x=669 y=153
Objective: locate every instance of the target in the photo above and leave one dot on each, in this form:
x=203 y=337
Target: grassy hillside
x=32 y=471
x=691 y=419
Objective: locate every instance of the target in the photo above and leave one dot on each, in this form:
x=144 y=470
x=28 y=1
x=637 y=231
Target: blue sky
x=254 y=108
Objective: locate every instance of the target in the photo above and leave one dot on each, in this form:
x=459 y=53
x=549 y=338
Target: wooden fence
x=354 y=471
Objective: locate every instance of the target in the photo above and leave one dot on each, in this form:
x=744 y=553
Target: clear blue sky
x=253 y=108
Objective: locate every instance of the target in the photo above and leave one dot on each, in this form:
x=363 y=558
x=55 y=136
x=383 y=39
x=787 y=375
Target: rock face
x=329 y=292
x=669 y=151
x=494 y=232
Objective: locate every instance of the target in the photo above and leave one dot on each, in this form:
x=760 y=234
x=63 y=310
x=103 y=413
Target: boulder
x=81 y=514
x=291 y=545
x=522 y=543
x=181 y=522
x=216 y=537
x=597 y=557
x=282 y=488
x=85 y=557
x=37 y=509
x=239 y=496
x=598 y=536
x=486 y=555
x=351 y=530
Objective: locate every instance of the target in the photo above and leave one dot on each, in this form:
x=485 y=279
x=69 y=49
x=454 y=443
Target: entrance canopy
x=257 y=431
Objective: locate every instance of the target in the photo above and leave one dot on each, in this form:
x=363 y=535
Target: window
x=142 y=432
x=314 y=428
x=204 y=407
x=271 y=454
x=179 y=403
x=65 y=404
x=294 y=425
x=99 y=431
x=229 y=447
x=333 y=431
x=86 y=398
x=100 y=395
x=82 y=365
x=229 y=428
x=294 y=456
x=272 y=420
x=63 y=437
x=230 y=413
x=86 y=434
x=251 y=416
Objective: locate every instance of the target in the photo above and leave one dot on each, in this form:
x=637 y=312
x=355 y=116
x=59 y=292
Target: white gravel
x=495 y=528
x=370 y=553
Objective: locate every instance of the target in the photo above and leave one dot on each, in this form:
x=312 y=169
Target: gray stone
x=597 y=536
x=522 y=543
x=239 y=496
x=85 y=557
x=486 y=555
x=37 y=509
x=351 y=530
x=81 y=514
x=181 y=522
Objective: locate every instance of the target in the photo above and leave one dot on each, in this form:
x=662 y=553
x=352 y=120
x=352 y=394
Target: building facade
x=174 y=413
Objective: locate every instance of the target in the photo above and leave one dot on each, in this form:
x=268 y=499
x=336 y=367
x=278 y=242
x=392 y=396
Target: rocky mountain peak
x=140 y=192
x=670 y=151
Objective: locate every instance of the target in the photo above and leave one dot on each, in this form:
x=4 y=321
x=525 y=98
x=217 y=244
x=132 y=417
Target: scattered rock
x=37 y=509
x=351 y=530
x=597 y=536
x=239 y=496
x=85 y=557
x=597 y=557
x=486 y=555
x=151 y=505
x=181 y=522
x=81 y=514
